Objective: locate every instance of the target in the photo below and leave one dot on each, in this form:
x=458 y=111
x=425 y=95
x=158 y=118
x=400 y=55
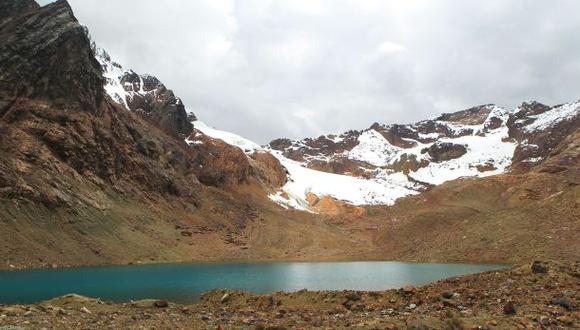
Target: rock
x=449 y=303
x=348 y=304
x=444 y=151
x=544 y=320
x=269 y=169
x=447 y=295
x=28 y=313
x=563 y=302
x=569 y=293
x=566 y=320
x=354 y=296
x=161 y=303
x=539 y=268
x=408 y=289
x=12 y=311
x=509 y=308
x=225 y=298
x=85 y=310
x=412 y=306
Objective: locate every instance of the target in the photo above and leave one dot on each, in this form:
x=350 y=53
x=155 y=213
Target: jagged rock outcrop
x=444 y=151
x=472 y=116
x=539 y=129
x=10 y=9
x=44 y=54
x=269 y=169
x=145 y=95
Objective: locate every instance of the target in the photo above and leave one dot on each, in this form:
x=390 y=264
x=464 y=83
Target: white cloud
x=273 y=68
x=388 y=47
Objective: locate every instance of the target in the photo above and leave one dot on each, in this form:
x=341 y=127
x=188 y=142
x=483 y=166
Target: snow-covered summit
x=144 y=94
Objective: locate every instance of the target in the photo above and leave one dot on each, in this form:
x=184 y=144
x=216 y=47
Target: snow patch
x=230 y=138
x=374 y=149
x=384 y=189
x=112 y=72
x=553 y=116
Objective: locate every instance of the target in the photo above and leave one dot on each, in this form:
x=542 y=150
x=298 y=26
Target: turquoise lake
x=184 y=283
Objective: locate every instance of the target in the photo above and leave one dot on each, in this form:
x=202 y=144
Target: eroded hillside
x=102 y=165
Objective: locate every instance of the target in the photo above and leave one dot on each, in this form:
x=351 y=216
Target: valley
x=101 y=165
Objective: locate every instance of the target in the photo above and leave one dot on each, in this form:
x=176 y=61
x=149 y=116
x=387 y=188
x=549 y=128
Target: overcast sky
x=298 y=68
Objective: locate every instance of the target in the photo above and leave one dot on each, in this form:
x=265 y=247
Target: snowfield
x=553 y=116
x=230 y=138
x=301 y=181
x=482 y=150
x=488 y=149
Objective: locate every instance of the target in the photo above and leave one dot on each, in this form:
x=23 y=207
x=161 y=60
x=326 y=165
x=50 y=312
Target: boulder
x=444 y=151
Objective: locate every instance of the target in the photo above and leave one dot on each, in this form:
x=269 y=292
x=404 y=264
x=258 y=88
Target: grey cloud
x=268 y=69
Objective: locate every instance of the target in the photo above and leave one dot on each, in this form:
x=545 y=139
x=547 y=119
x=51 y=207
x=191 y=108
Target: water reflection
x=185 y=282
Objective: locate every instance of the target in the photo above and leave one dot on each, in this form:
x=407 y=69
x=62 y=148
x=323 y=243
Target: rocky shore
x=540 y=295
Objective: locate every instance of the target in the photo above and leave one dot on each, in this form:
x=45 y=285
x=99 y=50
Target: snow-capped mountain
x=477 y=142
x=145 y=94
x=382 y=163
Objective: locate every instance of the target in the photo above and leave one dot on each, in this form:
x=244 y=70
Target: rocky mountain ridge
x=384 y=162
x=477 y=142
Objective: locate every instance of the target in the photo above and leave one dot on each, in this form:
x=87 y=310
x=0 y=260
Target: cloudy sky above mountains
x=267 y=69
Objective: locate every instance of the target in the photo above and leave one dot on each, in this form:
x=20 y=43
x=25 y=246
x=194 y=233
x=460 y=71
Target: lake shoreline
x=185 y=283
x=11 y=267
x=535 y=295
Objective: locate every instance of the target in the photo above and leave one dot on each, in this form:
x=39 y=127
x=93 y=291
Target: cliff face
x=10 y=9
x=45 y=54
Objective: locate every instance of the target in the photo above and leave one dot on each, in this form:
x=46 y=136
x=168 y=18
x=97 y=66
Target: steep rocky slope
x=84 y=180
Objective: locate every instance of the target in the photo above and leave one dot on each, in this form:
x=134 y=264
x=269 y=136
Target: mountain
x=86 y=179
x=100 y=164
x=400 y=160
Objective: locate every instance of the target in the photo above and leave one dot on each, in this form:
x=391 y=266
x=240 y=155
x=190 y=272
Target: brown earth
x=542 y=295
x=84 y=181
x=503 y=218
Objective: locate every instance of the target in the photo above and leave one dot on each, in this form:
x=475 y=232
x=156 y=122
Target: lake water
x=184 y=283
